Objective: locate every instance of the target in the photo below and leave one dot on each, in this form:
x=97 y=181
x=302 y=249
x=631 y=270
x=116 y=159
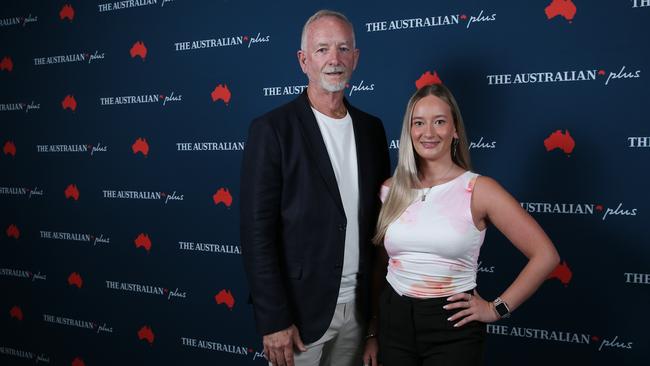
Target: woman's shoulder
x=485 y=181
x=486 y=189
x=385 y=188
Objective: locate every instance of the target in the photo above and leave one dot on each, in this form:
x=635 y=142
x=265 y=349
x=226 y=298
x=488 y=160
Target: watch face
x=502 y=309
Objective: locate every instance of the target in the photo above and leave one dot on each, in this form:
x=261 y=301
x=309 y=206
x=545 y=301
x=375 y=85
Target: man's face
x=329 y=56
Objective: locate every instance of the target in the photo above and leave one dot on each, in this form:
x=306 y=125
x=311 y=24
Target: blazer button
x=342 y=227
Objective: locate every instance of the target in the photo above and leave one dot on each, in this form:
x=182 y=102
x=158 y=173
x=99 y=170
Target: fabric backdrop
x=122 y=130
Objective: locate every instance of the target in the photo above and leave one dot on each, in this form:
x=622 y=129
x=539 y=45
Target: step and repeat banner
x=122 y=130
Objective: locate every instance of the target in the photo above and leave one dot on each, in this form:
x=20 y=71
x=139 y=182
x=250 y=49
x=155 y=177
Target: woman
x=432 y=224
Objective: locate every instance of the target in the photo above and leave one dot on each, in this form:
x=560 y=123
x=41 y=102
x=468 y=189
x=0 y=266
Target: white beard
x=333 y=87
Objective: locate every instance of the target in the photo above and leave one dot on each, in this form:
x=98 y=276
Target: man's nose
x=335 y=57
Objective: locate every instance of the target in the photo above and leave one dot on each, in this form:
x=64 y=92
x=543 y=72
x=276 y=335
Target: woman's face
x=432 y=128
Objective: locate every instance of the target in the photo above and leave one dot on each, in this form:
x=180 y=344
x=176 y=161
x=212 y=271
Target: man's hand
x=370 y=352
x=278 y=346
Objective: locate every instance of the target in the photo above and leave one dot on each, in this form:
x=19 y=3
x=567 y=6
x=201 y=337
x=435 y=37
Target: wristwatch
x=501 y=308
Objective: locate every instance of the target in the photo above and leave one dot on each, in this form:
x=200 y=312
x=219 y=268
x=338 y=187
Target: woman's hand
x=473 y=306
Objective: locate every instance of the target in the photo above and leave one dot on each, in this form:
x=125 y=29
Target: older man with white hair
x=310 y=179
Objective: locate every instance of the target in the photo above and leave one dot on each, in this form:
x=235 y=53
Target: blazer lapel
x=317 y=149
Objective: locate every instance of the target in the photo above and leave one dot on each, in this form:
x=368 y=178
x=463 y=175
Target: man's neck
x=328 y=103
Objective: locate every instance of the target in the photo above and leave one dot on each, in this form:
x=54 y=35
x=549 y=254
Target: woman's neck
x=434 y=173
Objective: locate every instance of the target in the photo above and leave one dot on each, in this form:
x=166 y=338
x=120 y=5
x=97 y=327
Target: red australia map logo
x=562 y=273
x=69 y=103
x=9 y=148
x=6 y=64
x=140 y=146
x=221 y=92
x=559 y=140
x=16 y=313
x=145 y=333
x=72 y=192
x=225 y=297
x=13 y=232
x=143 y=241
x=138 y=49
x=564 y=8
x=67 y=12
x=75 y=280
x=222 y=196
x=428 y=79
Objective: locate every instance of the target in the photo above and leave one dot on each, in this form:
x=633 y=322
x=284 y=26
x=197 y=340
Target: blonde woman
x=431 y=227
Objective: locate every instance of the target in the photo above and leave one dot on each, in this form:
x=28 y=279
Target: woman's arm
x=491 y=202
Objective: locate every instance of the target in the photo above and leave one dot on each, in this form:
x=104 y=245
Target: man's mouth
x=334 y=71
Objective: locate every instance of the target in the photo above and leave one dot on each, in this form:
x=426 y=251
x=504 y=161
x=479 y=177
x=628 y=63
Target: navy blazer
x=292 y=218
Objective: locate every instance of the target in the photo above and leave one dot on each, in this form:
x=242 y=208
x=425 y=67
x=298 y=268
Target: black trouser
x=417 y=332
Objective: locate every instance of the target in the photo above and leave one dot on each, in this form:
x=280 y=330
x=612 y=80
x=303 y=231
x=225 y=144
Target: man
x=310 y=179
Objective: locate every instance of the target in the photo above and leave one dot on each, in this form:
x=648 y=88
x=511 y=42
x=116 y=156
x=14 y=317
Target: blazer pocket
x=295 y=272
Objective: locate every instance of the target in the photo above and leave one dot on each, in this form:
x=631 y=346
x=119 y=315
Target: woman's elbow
x=552 y=257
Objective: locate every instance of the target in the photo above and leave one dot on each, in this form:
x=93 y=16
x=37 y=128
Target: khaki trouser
x=341 y=345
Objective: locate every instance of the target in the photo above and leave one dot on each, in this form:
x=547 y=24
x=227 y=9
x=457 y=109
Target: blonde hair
x=401 y=193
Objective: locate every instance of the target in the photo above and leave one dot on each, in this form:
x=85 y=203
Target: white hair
x=322 y=14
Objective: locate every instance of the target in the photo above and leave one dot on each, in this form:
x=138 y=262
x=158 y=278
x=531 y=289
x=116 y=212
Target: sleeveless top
x=434 y=245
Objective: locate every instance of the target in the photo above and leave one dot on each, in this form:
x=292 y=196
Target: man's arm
x=260 y=223
x=379 y=263
x=385 y=155
x=380 y=260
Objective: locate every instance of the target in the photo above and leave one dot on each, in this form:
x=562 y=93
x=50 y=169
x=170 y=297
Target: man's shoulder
x=356 y=112
x=282 y=114
x=368 y=121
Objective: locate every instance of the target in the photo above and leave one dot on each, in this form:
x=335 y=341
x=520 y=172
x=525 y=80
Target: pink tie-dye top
x=434 y=245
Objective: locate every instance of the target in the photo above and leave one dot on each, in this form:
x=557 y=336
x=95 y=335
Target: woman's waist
x=430 y=285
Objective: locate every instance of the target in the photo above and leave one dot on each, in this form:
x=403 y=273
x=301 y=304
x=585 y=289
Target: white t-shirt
x=338 y=135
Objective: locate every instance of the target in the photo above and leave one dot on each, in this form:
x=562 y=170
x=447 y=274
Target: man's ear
x=301 y=59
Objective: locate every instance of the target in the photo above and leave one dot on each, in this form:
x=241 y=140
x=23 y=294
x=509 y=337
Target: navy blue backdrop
x=122 y=130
